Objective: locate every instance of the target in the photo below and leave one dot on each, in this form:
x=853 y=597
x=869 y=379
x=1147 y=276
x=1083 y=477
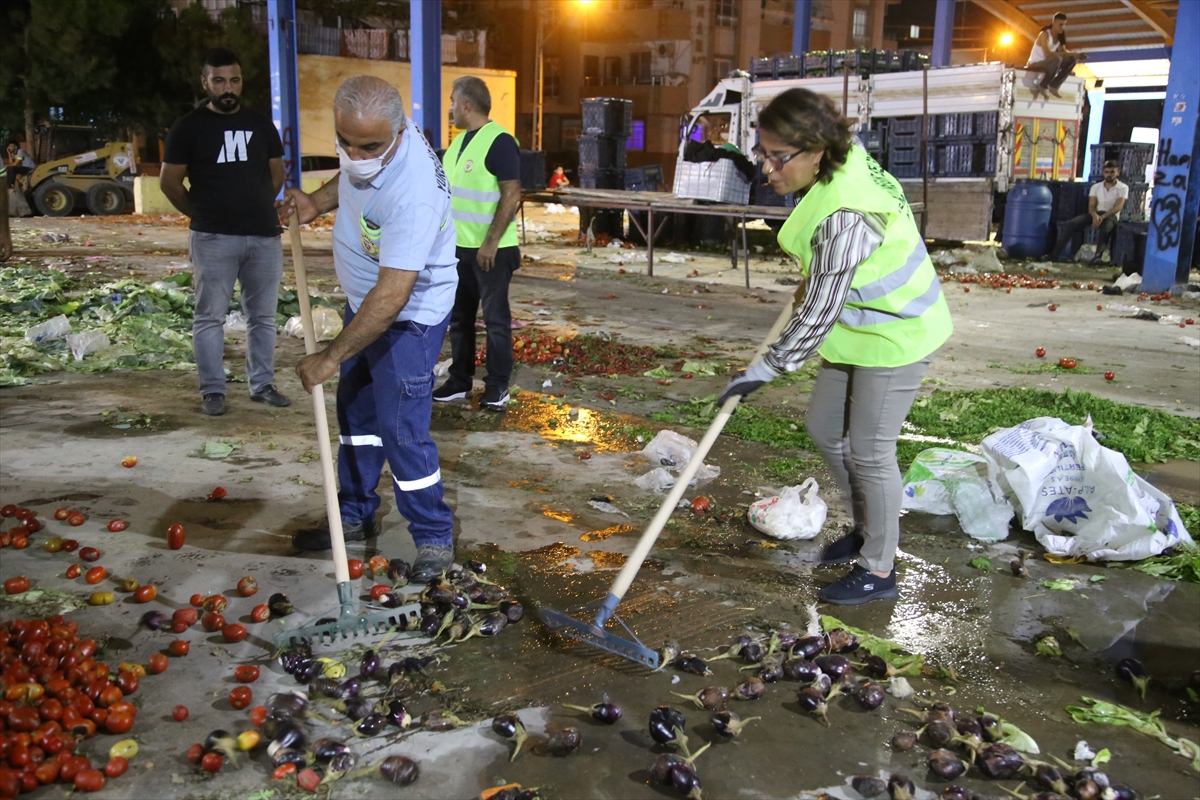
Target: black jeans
x=1057 y=69
x=1076 y=224
x=490 y=286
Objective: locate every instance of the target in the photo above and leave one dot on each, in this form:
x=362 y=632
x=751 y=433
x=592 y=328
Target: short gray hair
x=369 y=97
x=475 y=90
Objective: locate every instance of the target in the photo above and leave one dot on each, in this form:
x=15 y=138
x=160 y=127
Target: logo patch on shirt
x=236 y=147
x=369 y=238
x=467 y=167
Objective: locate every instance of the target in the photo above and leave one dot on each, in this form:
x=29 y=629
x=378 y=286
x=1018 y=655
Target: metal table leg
x=650 y=242
x=746 y=252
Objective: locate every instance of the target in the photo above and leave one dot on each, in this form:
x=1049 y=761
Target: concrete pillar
x=425 y=31
x=1176 y=199
x=801 y=27
x=943 y=33
x=285 y=95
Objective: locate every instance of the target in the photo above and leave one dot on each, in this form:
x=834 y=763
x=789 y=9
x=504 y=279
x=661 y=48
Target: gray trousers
x=854 y=417
x=219 y=261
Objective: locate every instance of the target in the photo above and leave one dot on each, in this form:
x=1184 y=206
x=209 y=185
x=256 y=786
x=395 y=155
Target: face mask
x=364 y=170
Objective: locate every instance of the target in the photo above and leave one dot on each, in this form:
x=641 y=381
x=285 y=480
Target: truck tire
x=106 y=199
x=53 y=199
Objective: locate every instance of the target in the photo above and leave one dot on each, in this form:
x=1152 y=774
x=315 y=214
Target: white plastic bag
x=1078 y=497
x=87 y=342
x=327 y=324
x=51 y=329
x=797 y=512
x=235 y=321
x=943 y=481
x=673 y=451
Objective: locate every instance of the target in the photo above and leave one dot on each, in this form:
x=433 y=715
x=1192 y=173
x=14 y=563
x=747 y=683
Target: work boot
x=213 y=404
x=432 y=560
x=842 y=550
x=271 y=397
x=860 y=585
x=495 y=398
x=452 y=389
x=317 y=538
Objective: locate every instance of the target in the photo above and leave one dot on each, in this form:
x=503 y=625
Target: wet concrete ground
x=520 y=493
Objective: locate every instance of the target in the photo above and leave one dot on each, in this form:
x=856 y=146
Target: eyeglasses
x=776 y=162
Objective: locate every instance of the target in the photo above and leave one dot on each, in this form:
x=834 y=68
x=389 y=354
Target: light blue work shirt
x=399 y=220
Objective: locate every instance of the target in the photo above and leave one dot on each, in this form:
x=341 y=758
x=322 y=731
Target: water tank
x=1027 y=219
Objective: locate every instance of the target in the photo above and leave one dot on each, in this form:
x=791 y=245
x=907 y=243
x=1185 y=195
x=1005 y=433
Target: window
x=612 y=70
x=914 y=31
x=639 y=67
x=637 y=136
x=726 y=13
x=591 y=70
x=721 y=68
x=551 y=72
x=860 y=23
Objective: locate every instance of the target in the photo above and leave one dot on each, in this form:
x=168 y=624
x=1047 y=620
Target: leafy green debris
x=1060 y=584
x=1048 y=646
x=982 y=563
x=900 y=659
x=1180 y=563
x=1013 y=736
x=1106 y=713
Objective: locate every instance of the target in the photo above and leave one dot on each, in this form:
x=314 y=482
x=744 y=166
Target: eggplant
x=668 y=653
x=868 y=785
x=284 y=733
x=685 y=781
x=728 y=723
x=990 y=726
x=1087 y=790
x=876 y=667
x=946 y=765
x=692 y=664
x=391 y=600
x=752 y=653
x=494 y=594
x=749 y=689
x=1093 y=774
x=842 y=641
x=809 y=647
x=306 y=671
x=323 y=687
x=430 y=624
x=325 y=749
x=870 y=695
x=940 y=711
x=286 y=755
x=408 y=665
x=153 y=620
x=398 y=715
x=953 y=792
x=357 y=708
x=478 y=567
x=970 y=734
x=287 y=704
x=660 y=770
x=400 y=770
x=771 y=669
x=666 y=724
x=735 y=647
x=781 y=642
x=511 y=728
x=812 y=700
x=288 y=659
x=1048 y=778
x=1122 y=792
x=349 y=688
x=1131 y=670
x=564 y=742
x=900 y=787
x=398 y=571
x=341 y=763
x=368 y=665
x=1017 y=567
x=488 y=626
x=904 y=740
x=372 y=724
x=439 y=720
x=712 y=698
x=1000 y=762
x=834 y=666
x=800 y=669
x=607 y=713
x=280 y=605
x=939 y=732
x=512 y=610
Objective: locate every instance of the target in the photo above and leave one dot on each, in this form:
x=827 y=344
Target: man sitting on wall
x=1105 y=201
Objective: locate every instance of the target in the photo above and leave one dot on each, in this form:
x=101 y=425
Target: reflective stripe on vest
x=861 y=317
x=474 y=191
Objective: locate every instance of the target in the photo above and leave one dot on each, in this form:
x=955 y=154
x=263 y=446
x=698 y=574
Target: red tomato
x=195 y=753
x=127 y=682
x=1067 y=363
x=117 y=525
x=118 y=722
x=308 y=780
x=212 y=762
x=246 y=674
x=180 y=713
x=179 y=647
x=10 y=510
x=89 y=780
x=700 y=504
x=89 y=554
x=1053 y=307
x=1099 y=308
x=1041 y=352
x=240 y=697
x=116 y=766
x=157 y=664
x=23 y=513
x=1110 y=376
x=19 y=542
x=76 y=519
x=175 y=536
x=95 y=575
x=187 y=616
x=145 y=594
x=217 y=493
x=378 y=565
x=355 y=566
x=283 y=770
x=215 y=603
x=258 y=715
x=379 y=590
x=16 y=585
x=197 y=600
x=59 y=513
x=247 y=586
x=260 y=613
x=129 y=461
x=233 y=632
x=212 y=622
x=70 y=545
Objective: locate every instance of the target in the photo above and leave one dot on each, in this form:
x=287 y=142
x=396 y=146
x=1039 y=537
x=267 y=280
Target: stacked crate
x=1133 y=158
x=607 y=122
x=957 y=145
x=826 y=63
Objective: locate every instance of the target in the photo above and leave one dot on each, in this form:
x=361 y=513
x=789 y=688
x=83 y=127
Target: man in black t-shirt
x=233 y=159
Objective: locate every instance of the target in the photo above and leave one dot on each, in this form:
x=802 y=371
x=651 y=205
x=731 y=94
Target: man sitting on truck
x=1105 y=200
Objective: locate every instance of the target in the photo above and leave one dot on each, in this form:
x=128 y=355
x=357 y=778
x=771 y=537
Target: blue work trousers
x=384 y=400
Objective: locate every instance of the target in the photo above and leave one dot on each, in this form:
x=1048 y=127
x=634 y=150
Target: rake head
x=350 y=621
x=593 y=633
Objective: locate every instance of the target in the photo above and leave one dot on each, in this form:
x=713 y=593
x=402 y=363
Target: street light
x=1006 y=40
x=539 y=70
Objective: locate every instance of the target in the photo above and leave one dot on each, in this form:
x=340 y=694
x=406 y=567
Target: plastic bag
x=87 y=342
x=235 y=321
x=942 y=481
x=327 y=324
x=1078 y=497
x=658 y=479
x=673 y=451
x=797 y=512
x=1126 y=282
x=51 y=329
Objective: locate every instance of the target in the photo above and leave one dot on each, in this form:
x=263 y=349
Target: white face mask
x=365 y=169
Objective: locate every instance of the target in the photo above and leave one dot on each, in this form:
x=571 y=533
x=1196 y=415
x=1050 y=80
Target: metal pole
x=746 y=252
x=924 y=149
x=943 y=33
x=425 y=26
x=801 y=27
x=285 y=95
x=538 y=78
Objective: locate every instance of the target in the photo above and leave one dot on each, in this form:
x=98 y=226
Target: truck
x=984 y=129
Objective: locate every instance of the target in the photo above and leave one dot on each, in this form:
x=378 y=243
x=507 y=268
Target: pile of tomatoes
x=580 y=355
x=55 y=694
x=1002 y=280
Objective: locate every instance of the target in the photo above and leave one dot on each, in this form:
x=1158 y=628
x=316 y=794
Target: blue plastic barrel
x=1027 y=219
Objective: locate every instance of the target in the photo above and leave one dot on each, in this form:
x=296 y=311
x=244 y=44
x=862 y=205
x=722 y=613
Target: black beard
x=225 y=102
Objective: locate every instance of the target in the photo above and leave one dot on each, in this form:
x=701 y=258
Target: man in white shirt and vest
x=484 y=168
x=1106 y=199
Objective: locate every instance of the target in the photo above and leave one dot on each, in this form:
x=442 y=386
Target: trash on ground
x=1127 y=282
x=54 y=328
x=87 y=342
x=674 y=450
x=674 y=258
x=327 y=324
x=219 y=449
x=797 y=512
x=606 y=507
x=235 y=321
x=942 y=481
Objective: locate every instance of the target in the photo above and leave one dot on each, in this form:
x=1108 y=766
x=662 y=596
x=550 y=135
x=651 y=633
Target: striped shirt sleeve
x=841 y=242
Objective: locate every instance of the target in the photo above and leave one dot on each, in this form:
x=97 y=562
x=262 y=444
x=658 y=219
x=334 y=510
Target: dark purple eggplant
x=868 y=785
x=1048 y=778
x=323 y=687
x=494 y=594
x=285 y=733
x=306 y=671
x=752 y=653
x=430 y=623
x=685 y=781
x=391 y=600
x=823 y=684
x=400 y=770
x=940 y=711
x=809 y=647
x=939 y=732
x=1000 y=762
x=357 y=708
x=771 y=669
x=349 y=688
x=875 y=666
x=398 y=571
x=440 y=720
x=1087 y=790
x=692 y=664
x=289 y=659
x=287 y=755
x=841 y=641
x=900 y=787
x=153 y=620
x=372 y=724
x=735 y=647
x=728 y=723
x=904 y=740
x=512 y=610
x=408 y=666
x=564 y=742
x=946 y=765
x=712 y=698
x=511 y=728
x=290 y=705
x=398 y=715
x=953 y=792
x=990 y=726
x=341 y=763
x=970 y=733
x=368 y=665
x=668 y=653
x=1047 y=796
x=478 y=567
x=665 y=724
x=813 y=701
x=660 y=770
x=280 y=606
x=869 y=695
x=749 y=689
x=607 y=713
x=1122 y=792
x=488 y=626
x=781 y=642
x=800 y=669
x=1131 y=670
x=1092 y=774
x=834 y=666
x=325 y=749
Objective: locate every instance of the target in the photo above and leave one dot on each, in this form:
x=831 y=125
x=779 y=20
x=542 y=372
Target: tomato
x=10 y=510
x=1067 y=363
x=246 y=674
x=18 y=585
x=59 y=513
x=1041 y=352
x=258 y=715
x=196 y=600
x=283 y=770
x=179 y=647
x=101 y=598
x=157 y=664
x=123 y=707
x=240 y=697
x=33 y=524
x=308 y=780
x=175 y=536
x=116 y=767
x=248 y=586
x=379 y=590
x=23 y=513
x=212 y=622
x=180 y=713
x=95 y=575
x=118 y=722
x=700 y=504
x=377 y=565
x=187 y=616
x=215 y=603
x=234 y=632
x=129 y=461
x=19 y=542
x=248 y=740
x=260 y=613
x=355 y=566
x=70 y=545
x=130 y=585
x=53 y=544
x=129 y=666
x=89 y=780
x=1053 y=307
x=1099 y=308
x=127 y=682
x=145 y=594
x=217 y=493
x=212 y=762
x=47 y=771
x=1189 y=321
x=117 y=525
x=5 y=538
x=89 y=554
x=1110 y=376
x=195 y=753
x=76 y=519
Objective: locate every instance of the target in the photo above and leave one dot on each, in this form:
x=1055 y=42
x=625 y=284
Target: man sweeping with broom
x=393 y=251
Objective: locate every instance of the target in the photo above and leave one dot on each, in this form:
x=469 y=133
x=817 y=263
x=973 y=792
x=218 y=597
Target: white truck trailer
x=985 y=129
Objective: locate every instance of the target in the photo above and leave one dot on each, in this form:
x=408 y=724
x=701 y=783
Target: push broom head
x=593 y=633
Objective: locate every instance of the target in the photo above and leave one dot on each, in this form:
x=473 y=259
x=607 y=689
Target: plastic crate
x=1135 y=206
x=818 y=64
x=872 y=141
x=601 y=152
x=601 y=178
x=912 y=61
x=643 y=179
x=716 y=181
x=762 y=69
x=1131 y=157
x=986 y=123
x=902 y=125
x=903 y=140
x=607 y=116
x=789 y=65
x=764 y=195
x=905 y=170
x=953 y=125
x=885 y=61
x=1129 y=246
x=533 y=170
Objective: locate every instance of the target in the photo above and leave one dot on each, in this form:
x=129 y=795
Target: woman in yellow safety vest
x=872 y=308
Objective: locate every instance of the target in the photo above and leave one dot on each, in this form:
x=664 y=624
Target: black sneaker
x=432 y=561
x=315 y=539
x=495 y=398
x=213 y=404
x=860 y=585
x=842 y=550
x=271 y=397
x=451 y=390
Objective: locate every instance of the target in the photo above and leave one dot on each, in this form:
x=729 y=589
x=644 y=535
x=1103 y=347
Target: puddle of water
x=603 y=533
